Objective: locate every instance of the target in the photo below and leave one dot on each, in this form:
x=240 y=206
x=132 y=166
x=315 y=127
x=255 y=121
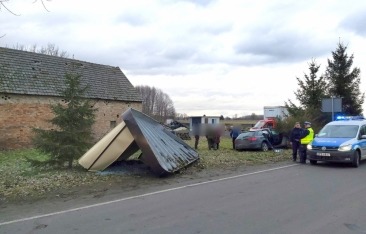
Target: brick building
x=30 y=82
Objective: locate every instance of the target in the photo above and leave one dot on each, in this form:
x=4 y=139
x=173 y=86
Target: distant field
x=231 y=121
x=242 y=122
x=238 y=121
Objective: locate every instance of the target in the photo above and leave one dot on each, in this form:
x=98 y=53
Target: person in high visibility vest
x=306 y=138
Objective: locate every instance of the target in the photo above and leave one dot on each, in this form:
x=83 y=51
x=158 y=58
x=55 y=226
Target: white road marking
x=139 y=196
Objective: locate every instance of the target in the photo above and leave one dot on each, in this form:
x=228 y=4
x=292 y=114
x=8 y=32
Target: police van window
x=363 y=130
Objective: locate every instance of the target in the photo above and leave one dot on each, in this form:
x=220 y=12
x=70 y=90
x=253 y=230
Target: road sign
x=332 y=105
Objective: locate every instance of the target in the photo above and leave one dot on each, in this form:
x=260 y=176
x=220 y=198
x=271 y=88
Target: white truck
x=269 y=122
x=274 y=112
x=270 y=113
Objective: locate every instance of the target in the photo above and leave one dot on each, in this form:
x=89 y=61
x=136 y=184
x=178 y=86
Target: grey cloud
x=59 y=20
x=144 y=57
x=179 y=52
x=149 y=56
x=196 y=2
x=213 y=29
x=281 y=46
x=133 y=19
x=211 y=101
x=355 y=23
x=154 y=57
x=212 y=94
x=200 y=2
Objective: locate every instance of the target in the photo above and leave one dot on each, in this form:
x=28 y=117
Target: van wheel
x=313 y=162
x=356 y=159
x=264 y=146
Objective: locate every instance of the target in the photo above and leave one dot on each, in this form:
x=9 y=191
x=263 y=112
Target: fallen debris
x=162 y=151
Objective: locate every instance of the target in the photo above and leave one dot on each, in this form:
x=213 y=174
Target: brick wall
x=20 y=113
x=109 y=111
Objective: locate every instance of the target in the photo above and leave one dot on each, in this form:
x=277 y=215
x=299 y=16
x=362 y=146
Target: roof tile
x=23 y=72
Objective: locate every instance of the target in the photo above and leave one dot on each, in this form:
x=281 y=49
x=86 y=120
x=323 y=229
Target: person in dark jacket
x=234 y=133
x=295 y=137
x=210 y=135
x=196 y=133
x=218 y=133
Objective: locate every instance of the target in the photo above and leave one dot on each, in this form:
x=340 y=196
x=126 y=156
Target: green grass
x=19 y=179
x=225 y=156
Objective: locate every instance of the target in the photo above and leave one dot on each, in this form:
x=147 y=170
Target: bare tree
x=3 y=5
x=181 y=116
x=148 y=95
x=50 y=49
x=156 y=103
x=164 y=107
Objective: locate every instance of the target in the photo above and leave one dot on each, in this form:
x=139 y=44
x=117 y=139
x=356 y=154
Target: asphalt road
x=293 y=199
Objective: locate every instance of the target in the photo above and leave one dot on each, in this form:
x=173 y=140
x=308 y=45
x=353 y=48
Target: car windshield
x=338 y=131
x=259 y=124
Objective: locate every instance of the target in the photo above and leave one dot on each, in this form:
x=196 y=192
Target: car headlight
x=309 y=147
x=345 y=148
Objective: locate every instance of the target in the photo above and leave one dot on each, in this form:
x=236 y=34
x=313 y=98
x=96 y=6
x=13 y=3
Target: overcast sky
x=212 y=57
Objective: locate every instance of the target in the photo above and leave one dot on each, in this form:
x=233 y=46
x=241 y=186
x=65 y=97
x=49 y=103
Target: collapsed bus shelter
x=161 y=150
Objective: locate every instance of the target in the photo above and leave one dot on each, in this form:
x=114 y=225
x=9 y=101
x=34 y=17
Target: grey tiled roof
x=30 y=73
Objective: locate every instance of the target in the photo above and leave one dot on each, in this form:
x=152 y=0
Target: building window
x=113 y=124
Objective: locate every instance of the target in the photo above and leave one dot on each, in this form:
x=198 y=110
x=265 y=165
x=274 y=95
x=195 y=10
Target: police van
x=343 y=140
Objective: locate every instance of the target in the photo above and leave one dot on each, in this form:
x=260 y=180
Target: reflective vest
x=306 y=140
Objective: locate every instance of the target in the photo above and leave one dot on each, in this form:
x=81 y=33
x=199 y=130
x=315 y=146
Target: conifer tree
x=310 y=93
x=73 y=122
x=344 y=81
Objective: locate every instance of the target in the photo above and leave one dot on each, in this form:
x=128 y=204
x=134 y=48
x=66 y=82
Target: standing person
x=295 y=137
x=234 y=134
x=196 y=133
x=210 y=135
x=306 y=138
x=217 y=137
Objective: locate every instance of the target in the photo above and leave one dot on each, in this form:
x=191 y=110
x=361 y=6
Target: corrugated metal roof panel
x=161 y=150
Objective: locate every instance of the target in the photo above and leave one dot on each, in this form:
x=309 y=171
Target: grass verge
x=225 y=156
x=19 y=180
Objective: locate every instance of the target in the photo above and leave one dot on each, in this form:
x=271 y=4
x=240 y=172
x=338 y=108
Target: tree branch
x=2 y=4
x=3 y=1
x=44 y=6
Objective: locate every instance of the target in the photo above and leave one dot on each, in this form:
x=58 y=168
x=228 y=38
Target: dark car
x=260 y=139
